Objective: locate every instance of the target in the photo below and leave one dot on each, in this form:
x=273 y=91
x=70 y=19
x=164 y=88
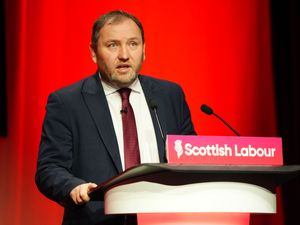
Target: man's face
x=120 y=53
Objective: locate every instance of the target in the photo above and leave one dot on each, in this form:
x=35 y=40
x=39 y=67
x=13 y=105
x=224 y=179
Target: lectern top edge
x=177 y=174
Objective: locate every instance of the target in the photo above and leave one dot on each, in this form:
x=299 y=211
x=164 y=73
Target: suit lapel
x=96 y=102
x=152 y=91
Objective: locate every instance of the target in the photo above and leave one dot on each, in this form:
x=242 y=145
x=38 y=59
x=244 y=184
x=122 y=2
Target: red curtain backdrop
x=218 y=51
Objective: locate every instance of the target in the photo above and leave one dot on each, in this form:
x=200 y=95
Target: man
x=83 y=142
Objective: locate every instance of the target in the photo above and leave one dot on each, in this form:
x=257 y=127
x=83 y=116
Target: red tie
x=131 y=144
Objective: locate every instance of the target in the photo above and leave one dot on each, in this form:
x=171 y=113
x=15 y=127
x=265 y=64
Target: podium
x=162 y=194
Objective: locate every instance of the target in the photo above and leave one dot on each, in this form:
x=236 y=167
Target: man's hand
x=80 y=193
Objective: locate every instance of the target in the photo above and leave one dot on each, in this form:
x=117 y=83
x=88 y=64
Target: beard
x=123 y=80
x=119 y=79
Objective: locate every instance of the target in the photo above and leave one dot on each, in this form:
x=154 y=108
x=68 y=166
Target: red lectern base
x=193 y=218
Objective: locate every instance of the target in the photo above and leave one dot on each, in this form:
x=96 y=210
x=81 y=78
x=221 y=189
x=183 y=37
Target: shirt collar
x=108 y=90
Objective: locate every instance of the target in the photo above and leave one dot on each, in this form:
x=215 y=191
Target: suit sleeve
x=54 y=167
x=186 y=124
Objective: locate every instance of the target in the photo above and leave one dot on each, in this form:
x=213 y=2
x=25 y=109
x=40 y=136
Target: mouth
x=120 y=66
x=123 y=68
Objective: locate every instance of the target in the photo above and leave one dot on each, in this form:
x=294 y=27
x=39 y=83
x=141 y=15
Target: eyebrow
x=130 y=39
x=118 y=42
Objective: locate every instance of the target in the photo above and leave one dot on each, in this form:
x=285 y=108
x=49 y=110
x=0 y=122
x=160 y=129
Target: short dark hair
x=113 y=17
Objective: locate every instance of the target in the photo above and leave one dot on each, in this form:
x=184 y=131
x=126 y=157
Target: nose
x=123 y=53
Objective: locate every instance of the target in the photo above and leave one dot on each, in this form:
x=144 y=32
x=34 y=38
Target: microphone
x=124 y=110
x=153 y=105
x=209 y=111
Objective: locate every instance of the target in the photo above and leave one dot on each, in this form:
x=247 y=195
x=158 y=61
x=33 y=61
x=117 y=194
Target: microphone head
x=206 y=109
x=124 y=110
x=153 y=104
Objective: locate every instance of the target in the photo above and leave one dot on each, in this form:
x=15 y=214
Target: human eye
x=133 y=44
x=111 y=45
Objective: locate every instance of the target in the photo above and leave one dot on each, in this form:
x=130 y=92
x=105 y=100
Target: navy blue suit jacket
x=79 y=144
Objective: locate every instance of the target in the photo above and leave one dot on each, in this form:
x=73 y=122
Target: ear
x=144 y=52
x=93 y=53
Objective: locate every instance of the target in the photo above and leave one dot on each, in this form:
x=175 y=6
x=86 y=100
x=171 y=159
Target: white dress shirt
x=145 y=129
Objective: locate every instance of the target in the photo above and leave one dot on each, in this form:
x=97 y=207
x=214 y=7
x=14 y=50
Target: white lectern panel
x=147 y=197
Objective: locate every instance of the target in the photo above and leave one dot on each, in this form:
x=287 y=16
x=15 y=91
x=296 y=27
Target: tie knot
x=124 y=92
